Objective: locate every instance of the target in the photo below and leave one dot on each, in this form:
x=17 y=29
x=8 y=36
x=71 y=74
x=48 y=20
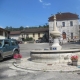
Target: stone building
x=68 y=25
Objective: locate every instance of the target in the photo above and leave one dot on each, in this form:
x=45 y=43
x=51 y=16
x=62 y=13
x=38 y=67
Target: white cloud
x=47 y=4
x=40 y=1
x=27 y=26
x=44 y=4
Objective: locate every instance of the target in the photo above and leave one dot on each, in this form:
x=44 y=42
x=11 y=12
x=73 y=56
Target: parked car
x=8 y=47
x=19 y=42
x=37 y=41
x=50 y=41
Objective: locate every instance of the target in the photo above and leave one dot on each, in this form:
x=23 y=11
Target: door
x=64 y=35
x=6 y=48
x=14 y=45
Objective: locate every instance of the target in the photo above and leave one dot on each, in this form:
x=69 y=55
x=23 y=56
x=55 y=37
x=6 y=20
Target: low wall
x=53 y=56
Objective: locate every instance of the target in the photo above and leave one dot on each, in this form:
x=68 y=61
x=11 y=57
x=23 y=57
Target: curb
x=16 y=67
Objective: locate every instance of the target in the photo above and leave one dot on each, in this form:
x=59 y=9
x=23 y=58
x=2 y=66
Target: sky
x=30 y=13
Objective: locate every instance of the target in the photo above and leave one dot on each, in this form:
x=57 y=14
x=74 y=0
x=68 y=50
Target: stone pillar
x=55 y=34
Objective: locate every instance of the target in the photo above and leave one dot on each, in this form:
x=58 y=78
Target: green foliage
x=28 y=39
x=12 y=29
x=23 y=28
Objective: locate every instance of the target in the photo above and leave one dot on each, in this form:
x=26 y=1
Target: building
x=68 y=25
x=79 y=32
x=35 y=33
x=15 y=35
x=4 y=34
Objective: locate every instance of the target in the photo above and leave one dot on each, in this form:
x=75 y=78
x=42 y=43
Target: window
x=13 y=42
x=71 y=35
x=33 y=35
x=6 y=42
x=71 y=23
x=26 y=35
x=5 y=34
x=63 y=24
x=1 y=32
x=38 y=35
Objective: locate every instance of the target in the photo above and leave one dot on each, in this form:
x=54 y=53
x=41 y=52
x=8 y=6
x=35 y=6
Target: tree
x=21 y=28
x=40 y=26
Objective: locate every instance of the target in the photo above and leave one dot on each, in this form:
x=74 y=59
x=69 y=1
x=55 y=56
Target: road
x=8 y=74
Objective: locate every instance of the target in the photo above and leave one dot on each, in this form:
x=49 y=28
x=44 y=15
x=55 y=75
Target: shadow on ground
x=6 y=59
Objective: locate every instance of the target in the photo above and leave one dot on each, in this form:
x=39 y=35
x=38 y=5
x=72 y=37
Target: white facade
x=3 y=37
x=14 y=37
x=72 y=32
x=3 y=34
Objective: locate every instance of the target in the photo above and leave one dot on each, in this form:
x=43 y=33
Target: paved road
x=8 y=74
x=26 y=48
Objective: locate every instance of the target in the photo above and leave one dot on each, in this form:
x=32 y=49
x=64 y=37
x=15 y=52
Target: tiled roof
x=64 y=16
x=30 y=30
x=35 y=30
x=4 y=30
x=15 y=32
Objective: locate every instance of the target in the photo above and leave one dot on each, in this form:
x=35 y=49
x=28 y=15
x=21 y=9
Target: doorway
x=64 y=35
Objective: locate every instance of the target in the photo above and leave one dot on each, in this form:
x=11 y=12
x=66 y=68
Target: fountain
x=55 y=34
x=55 y=53
x=53 y=59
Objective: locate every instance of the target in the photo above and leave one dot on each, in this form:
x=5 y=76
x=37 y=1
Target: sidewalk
x=25 y=64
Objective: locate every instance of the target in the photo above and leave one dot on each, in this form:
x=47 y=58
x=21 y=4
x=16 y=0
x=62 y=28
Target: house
x=35 y=33
x=68 y=25
x=4 y=34
x=79 y=32
x=15 y=35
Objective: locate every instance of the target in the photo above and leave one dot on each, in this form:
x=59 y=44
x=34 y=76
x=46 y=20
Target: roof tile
x=64 y=16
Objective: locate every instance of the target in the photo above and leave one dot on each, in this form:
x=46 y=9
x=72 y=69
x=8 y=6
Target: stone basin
x=53 y=55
